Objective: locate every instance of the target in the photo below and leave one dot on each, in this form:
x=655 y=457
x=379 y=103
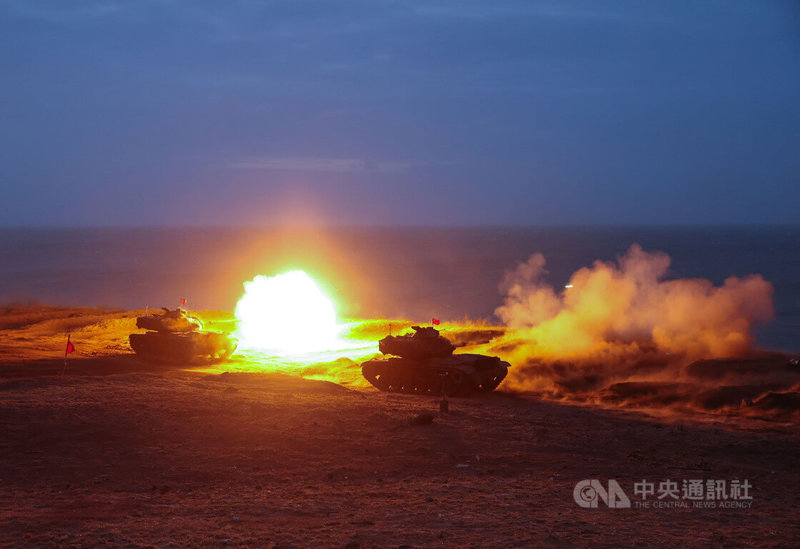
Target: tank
x=425 y=364
x=175 y=337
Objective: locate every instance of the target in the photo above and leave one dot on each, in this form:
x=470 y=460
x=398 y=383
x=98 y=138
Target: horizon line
x=411 y=226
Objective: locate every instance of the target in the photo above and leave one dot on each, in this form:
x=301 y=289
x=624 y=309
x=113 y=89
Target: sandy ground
x=117 y=452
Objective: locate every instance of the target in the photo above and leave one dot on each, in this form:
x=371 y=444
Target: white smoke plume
x=620 y=314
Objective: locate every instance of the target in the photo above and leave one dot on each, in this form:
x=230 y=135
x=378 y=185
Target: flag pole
x=66 y=352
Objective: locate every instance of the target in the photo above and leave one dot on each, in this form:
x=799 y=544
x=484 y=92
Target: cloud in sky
x=332 y=165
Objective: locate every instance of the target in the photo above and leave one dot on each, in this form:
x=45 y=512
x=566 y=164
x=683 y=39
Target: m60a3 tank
x=177 y=338
x=427 y=365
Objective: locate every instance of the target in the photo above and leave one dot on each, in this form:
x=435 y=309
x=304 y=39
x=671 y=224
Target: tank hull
x=455 y=375
x=183 y=348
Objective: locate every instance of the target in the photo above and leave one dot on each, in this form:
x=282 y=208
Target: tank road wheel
x=454 y=383
x=162 y=348
x=410 y=384
x=393 y=382
x=435 y=384
x=379 y=376
x=388 y=380
x=420 y=384
x=406 y=384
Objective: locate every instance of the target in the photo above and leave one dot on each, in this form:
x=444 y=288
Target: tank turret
x=423 y=343
x=176 y=321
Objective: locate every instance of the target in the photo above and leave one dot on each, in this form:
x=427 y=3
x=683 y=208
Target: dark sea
x=415 y=273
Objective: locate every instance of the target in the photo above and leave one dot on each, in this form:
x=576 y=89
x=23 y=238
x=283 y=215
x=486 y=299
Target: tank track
x=186 y=348
x=456 y=375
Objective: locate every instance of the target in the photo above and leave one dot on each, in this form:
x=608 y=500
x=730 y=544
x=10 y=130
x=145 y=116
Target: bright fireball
x=286 y=314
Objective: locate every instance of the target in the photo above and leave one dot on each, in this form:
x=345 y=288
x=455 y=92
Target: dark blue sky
x=399 y=112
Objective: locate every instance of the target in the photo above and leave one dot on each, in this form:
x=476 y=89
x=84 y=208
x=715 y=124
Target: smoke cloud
x=622 y=320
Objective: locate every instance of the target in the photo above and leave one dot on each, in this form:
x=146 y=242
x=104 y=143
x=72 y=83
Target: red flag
x=70 y=347
x=435 y=321
x=183 y=301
